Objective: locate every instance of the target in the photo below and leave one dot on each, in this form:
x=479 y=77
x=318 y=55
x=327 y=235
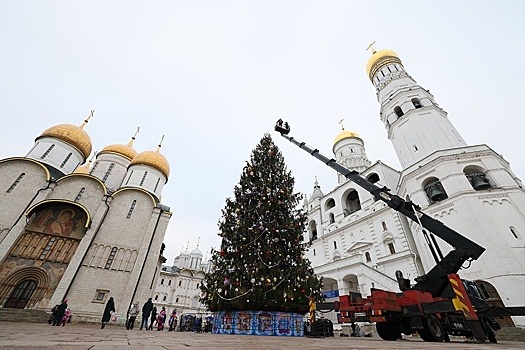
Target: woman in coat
x=108 y=310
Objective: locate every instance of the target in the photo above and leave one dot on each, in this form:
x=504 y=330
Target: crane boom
x=436 y=280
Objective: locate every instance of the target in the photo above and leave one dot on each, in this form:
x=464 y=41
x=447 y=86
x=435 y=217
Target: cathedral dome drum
x=71 y=134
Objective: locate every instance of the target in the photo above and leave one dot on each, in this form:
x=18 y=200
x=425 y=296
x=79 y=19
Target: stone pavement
x=19 y=335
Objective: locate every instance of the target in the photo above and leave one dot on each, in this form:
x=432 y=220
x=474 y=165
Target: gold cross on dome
x=371 y=47
x=341 y=123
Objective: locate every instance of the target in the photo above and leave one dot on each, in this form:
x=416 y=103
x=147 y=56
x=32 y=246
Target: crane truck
x=439 y=304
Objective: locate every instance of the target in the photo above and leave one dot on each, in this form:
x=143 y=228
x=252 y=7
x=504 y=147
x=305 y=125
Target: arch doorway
x=21 y=294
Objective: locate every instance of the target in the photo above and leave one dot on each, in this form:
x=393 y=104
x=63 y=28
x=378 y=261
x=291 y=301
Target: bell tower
x=415 y=123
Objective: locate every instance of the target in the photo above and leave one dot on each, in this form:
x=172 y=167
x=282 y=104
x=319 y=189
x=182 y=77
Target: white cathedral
x=69 y=230
x=358 y=243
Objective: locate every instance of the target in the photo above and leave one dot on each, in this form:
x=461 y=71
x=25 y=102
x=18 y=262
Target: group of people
x=151 y=315
x=60 y=314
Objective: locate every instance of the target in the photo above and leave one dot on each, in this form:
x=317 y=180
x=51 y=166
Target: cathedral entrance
x=20 y=296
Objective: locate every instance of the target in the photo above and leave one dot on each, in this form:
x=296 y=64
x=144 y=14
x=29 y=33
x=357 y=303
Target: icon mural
x=60 y=220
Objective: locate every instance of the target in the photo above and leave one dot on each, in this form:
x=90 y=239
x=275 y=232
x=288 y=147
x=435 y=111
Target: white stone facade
x=77 y=236
x=178 y=286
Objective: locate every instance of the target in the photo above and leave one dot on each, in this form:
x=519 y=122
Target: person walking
x=153 y=317
x=66 y=317
x=146 y=312
x=160 y=319
x=60 y=313
x=172 y=321
x=133 y=312
x=108 y=310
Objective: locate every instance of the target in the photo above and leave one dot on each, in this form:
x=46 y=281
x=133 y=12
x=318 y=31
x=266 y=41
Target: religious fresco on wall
x=54 y=270
x=60 y=220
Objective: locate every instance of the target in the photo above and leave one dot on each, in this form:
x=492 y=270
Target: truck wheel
x=489 y=332
x=388 y=330
x=432 y=330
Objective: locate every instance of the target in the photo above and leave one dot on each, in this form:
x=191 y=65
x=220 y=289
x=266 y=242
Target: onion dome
x=346 y=135
x=153 y=159
x=71 y=134
x=122 y=150
x=379 y=59
x=196 y=251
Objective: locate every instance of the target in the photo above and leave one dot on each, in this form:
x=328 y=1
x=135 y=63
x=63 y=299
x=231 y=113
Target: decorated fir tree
x=260 y=264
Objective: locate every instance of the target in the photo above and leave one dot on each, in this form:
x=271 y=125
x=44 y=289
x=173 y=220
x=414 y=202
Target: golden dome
x=378 y=59
x=123 y=150
x=346 y=135
x=71 y=134
x=153 y=159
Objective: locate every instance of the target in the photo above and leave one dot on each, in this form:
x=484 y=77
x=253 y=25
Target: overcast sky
x=214 y=76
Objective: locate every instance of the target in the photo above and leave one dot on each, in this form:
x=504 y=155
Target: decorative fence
x=258 y=323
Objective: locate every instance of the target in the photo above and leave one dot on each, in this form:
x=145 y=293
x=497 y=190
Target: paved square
x=21 y=335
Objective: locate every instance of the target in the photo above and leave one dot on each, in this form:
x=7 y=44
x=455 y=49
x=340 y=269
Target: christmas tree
x=260 y=264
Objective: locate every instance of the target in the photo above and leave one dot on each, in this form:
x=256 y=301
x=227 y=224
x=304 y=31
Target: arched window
x=335 y=245
x=164 y=298
x=514 y=232
x=162 y=281
x=384 y=226
x=177 y=300
x=417 y=103
x=111 y=257
x=330 y=203
x=373 y=178
x=106 y=175
x=312 y=227
x=143 y=178
x=156 y=297
x=18 y=179
x=391 y=248
x=331 y=218
x=314 y=252
x=398 y=111
x=80 y=193
x=434 y=190
x=65 y=160
x=367 y=257
x=180 y=283
x=169 y=282
x=131 y=208
x=47 y=152
x=352 y=202
x=477 y=178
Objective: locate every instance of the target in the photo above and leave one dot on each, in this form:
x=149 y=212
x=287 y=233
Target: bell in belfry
x=435 y=191
x=479 y=181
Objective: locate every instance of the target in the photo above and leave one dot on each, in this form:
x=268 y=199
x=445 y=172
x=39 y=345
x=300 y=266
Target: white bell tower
x=415 y=123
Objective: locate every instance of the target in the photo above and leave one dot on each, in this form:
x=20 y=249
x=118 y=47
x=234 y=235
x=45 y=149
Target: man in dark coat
x=57 y=316
x=146 y=312
x=108 y=310
x=153 y=317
